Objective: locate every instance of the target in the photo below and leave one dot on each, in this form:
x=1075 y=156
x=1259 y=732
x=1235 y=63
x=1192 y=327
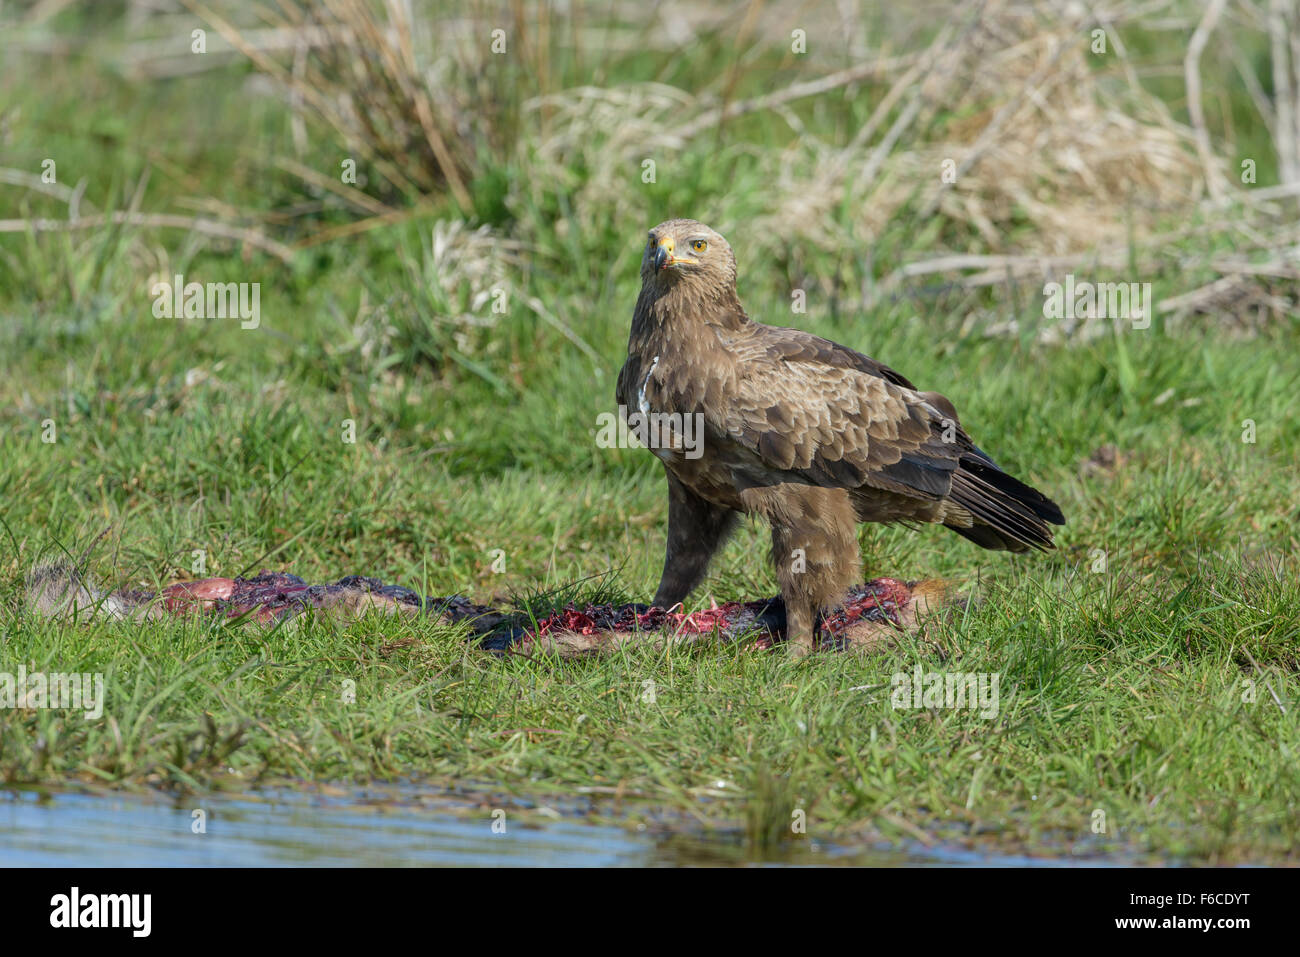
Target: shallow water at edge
x=285 y=828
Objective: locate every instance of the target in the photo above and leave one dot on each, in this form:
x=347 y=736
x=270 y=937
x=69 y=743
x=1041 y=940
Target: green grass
x=1161 y=691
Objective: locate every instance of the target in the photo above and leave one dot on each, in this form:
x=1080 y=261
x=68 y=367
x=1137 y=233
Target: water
x=361 y=828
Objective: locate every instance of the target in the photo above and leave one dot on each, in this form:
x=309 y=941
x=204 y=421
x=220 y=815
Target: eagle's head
x=682 y=252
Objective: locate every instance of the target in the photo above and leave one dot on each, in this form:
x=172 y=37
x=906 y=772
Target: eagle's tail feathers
x=1008 y=513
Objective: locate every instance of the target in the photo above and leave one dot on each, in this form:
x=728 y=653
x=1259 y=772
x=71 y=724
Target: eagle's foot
x=800 y=622
x=795 y=650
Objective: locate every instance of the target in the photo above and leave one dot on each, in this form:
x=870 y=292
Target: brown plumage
x=800 y=430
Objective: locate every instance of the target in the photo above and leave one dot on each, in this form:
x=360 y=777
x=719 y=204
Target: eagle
x=813 y=437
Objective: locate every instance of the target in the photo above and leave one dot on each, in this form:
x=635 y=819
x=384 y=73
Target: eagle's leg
x=814 y=549
x=696 y=530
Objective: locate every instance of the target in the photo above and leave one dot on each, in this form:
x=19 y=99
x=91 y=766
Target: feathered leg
x=696 y=530
x=814 y=549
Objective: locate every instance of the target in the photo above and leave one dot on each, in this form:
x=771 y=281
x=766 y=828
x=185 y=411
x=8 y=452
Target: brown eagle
x=802 y=431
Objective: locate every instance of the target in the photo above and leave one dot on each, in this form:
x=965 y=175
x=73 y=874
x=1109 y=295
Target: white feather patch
x=642 y=402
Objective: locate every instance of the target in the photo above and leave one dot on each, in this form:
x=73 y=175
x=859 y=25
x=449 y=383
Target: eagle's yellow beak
x=664 y=255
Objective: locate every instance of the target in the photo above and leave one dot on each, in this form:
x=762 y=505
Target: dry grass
x=1004 y=146
x=1049 y=154
x=362 y=70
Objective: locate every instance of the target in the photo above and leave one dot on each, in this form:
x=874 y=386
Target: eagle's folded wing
x=838 y=426
x=840 y=419
x=809 y=410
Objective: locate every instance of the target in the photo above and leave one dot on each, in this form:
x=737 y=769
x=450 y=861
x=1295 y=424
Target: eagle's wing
x=836 y=418
x=824 y=414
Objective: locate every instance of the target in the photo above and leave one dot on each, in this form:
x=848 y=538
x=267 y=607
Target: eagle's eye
x=699 y=245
